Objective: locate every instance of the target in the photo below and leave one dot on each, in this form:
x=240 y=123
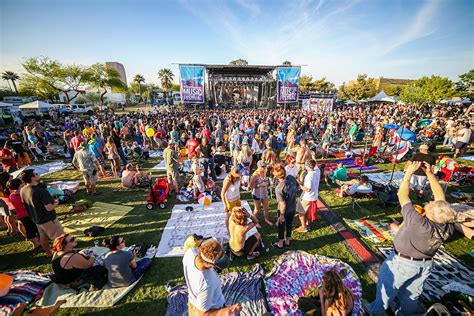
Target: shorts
x=248 y=245
x=52 y=229
x=258 y=199
x=172 y=175
x=23 y=159
x=418 y=182
x=302 y=206
x=230 y=205
x=460 y=145
x=89 y=176
x=30 y=227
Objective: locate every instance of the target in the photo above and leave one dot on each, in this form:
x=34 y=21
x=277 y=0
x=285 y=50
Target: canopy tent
x=350 y=102
x=37 y=105
x=382 y=97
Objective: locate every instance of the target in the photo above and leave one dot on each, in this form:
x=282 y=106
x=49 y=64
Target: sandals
x=275 y=245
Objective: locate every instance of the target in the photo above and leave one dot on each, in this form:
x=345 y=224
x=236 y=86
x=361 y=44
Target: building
x=382 y=83
x=119 y=68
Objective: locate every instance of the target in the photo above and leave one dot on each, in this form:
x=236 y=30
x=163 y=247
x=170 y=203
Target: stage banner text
x=288 y=79
x=192 y=83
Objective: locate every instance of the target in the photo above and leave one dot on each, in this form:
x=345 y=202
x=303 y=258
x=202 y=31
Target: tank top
x=65 y=276
x=233 y=192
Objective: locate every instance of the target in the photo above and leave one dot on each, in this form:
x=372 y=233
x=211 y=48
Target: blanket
x=375 y=232
x=237 y=287
x=102 y=214
x=72 y=186
x=350 y=163
x=44 y=169
x=446 y=269
x=159 y=166
x=297 y=273
x=27 y=286
x=383 y=178
x=205 y=221
x=155 y=153
x=470 y=158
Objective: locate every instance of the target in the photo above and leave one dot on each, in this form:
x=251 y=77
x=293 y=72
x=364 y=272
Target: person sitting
x=355 y=186
x=68 y=265
x=340 y=174
x=142 y=179
x=122 y=268
x=128 y=177
x=335 y=297
x=238 y=227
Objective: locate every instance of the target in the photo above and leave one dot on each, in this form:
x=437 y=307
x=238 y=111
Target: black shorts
x=249 y=244
x=30 y=227
x=460 y=145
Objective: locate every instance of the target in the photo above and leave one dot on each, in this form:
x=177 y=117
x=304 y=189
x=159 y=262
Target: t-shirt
x=118 y=265
x=286 y=192
x=292 y=171
x=466 y=132
x=7 y=162
x=170 y=156
x=174 y=136
x=204 y=287
x=311 y=181
x=35 y=198
x=360 y=188
x=423 y=157
x=341 y=174
x=20 y=209
x=419 y=237
x=75 y=142
x=191 y=146
x=85 y=160
x=16 y=145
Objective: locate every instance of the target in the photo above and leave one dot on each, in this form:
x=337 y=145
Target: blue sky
x=336 y=39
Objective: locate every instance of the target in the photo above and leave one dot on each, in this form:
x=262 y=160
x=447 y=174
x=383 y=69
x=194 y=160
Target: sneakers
x=301 y=230
x=254 y=255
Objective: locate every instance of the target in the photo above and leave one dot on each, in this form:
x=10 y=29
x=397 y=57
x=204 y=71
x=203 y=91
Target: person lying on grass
x=239 y=227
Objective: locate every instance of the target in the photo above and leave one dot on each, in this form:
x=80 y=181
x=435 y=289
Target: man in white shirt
x=204 y=286
x=463 y=138
x=309 y=197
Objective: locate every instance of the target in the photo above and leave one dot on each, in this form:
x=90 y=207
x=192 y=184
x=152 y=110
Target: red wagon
x=158 y=194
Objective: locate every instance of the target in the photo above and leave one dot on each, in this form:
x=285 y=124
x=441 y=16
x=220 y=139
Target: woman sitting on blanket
x=238 y=228
x=128 y=177
x=354 y=186
x=121 y=265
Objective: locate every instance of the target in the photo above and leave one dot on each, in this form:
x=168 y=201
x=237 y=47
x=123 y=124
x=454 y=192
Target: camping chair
x=37 y=152
x=355 y=199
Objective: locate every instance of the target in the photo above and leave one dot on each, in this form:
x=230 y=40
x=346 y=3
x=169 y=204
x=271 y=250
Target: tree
x=30 y=86
x=81 y=100
x=322 y=85
x=239 y=62
x=466 y=84
x=362 y=88
x=139 y=79
x=92 y=97
x=394 y=89
x=62 y=78
x=11 y=76
x=306 y=83
x=175 y=87
x=166 y=76
x=286 y=63
x=428 y=90
x=102 y=77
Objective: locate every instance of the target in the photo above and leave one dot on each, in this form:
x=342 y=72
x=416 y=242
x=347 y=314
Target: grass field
x=141 y=225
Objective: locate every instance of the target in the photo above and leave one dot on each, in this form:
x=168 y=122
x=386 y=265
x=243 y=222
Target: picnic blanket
x=27 y=286
x=44 y=169
x=373 y=231
x=383 y=178
x=155 y=153
x=470 y=158
x=297 y=273
x=72 y=186
x=159 y=166
x=446 y=269
x=102 y=214
x=237 y=287
x=350 y=163
x=205 y=221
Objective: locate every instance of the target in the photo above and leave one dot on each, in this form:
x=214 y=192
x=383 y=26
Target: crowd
x=270 y=152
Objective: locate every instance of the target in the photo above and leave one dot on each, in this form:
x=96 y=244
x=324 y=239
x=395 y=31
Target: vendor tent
x=37 y=105
x=382 y=97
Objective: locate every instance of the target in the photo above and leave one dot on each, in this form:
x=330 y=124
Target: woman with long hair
x=230 y=194
x=259 y=183
x=336 y=298
x=112 y=155
x=244 y=159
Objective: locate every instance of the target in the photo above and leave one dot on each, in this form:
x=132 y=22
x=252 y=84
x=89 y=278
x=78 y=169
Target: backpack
x=94 y=231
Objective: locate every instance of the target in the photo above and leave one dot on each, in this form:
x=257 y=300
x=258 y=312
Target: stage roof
x=239 y=70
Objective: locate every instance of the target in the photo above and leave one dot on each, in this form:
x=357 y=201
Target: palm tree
x=166 y=77
x=286 y=63
x=103 y=78
x=239 y=62
x=139 y=79
x=10 y=75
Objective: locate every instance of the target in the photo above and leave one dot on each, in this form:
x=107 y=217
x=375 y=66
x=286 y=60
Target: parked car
x=81 y=109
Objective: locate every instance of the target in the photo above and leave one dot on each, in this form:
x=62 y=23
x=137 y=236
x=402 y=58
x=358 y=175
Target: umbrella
x=391 y=126
x=406 y=134
x=423 y=123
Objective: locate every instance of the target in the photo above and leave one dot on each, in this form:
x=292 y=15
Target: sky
x=336 y=39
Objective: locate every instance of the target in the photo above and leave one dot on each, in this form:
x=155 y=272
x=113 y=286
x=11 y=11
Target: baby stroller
x=158 y=194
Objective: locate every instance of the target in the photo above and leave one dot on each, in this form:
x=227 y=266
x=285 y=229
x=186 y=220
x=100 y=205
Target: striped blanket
x=373 y=231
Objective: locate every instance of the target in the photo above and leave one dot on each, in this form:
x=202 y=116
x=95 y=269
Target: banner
x=323 y=104
x=192 y=84
x=288 y=79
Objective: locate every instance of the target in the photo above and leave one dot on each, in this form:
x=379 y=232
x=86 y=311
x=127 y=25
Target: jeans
x=209 y=163
x=400 y=284
x=288 y=223
x=142 y=266
x=122 y=155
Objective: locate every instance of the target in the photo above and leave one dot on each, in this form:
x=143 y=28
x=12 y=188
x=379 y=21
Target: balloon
x=150 y=132
x=205 y=199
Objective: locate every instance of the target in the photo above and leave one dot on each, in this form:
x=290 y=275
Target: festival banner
x=288 y=79
x=192 y=84
x=323 y=104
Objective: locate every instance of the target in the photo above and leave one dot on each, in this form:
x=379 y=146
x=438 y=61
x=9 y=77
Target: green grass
x=141 y=225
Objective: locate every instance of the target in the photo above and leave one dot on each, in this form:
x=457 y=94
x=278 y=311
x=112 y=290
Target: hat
x=261 y=164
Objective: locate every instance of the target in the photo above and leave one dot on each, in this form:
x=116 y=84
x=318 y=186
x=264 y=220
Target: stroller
x=158 y=194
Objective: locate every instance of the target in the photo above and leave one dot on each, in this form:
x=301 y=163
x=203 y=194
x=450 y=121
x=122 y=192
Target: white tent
x=382 y=97
x=350 y=102
x=37 y=105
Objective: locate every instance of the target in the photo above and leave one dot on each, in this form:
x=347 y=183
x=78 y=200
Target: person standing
x=191 y=146
x=76 y=141
x=206 y=151
x=259 y=183
x=170 y=155
x=40 y=206
x=286 y=196
x=302 y=154
x=84 y=160
x=463 y=139
x=230 y=194
x=17 y=145
x=419 y=237
x=309 y=197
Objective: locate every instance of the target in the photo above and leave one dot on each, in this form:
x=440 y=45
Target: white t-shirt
x=360 y=188
x=311 y=180
x=204 y=287
x=466 y=132
x=292 y=171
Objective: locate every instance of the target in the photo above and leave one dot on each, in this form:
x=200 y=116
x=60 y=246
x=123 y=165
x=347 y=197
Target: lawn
x=141 y=225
